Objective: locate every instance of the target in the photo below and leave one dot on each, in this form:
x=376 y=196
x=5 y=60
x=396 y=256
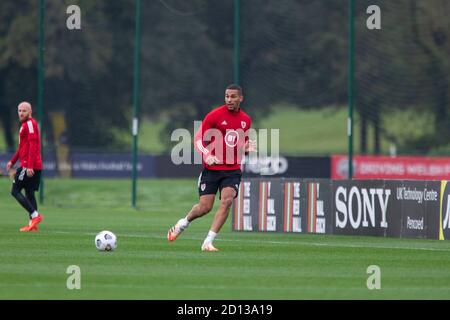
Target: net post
x=237 y=41
x=40 y=102
x=136 y=102
x=351 y=60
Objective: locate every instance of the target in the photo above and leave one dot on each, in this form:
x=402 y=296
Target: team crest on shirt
x=243 y=124
x=203 y=186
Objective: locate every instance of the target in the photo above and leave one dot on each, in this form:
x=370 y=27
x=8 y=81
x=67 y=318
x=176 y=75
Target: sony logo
x=365 y=208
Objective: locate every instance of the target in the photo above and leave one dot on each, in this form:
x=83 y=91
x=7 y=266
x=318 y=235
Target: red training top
x=29 y=151
x=223 y=134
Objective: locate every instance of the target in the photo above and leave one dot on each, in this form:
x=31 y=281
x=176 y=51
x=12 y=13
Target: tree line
x=291 y=52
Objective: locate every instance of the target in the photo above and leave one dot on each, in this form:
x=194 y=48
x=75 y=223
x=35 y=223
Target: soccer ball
x=105 y=241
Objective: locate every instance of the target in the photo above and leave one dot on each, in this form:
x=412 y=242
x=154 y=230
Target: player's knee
x=29 y=193
x=227 y=201
x=14 y=192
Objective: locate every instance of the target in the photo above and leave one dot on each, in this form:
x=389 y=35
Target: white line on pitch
x=296 y=242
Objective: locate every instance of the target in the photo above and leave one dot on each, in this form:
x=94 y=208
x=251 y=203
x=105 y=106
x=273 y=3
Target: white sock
x=34 y=214
x=210 y=237
x=183 y=223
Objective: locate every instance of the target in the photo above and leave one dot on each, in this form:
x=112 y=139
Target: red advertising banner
x=381 y=167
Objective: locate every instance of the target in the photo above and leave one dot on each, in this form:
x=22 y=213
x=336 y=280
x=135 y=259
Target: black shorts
x=212 y=180
x=22 y=181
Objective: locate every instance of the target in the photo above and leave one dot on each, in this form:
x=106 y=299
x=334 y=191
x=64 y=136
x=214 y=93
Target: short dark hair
x=235 y=87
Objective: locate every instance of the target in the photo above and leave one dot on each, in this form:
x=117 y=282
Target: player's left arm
x=250 y=145
x=33 y=149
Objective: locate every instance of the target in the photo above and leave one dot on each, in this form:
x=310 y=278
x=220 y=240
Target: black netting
x=402 y=86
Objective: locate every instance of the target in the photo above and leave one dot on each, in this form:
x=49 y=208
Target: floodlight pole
x=351 y=71
x=136 y=100
x=40 y=102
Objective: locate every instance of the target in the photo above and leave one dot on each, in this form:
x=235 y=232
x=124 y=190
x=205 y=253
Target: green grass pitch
x=146 y=266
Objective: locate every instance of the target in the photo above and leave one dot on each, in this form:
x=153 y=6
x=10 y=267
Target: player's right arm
x=199 y=145
x=13 y=160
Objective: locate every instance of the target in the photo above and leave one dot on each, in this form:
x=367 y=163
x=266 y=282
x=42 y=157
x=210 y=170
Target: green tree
x=17 y=59
x=430 y=29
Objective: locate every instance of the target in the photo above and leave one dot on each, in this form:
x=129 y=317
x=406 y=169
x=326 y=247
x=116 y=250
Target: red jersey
x=223 y=134
x=29 y=151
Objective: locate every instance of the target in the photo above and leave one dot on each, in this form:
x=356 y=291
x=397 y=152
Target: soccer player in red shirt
x=28 y=175
x=222 y=139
